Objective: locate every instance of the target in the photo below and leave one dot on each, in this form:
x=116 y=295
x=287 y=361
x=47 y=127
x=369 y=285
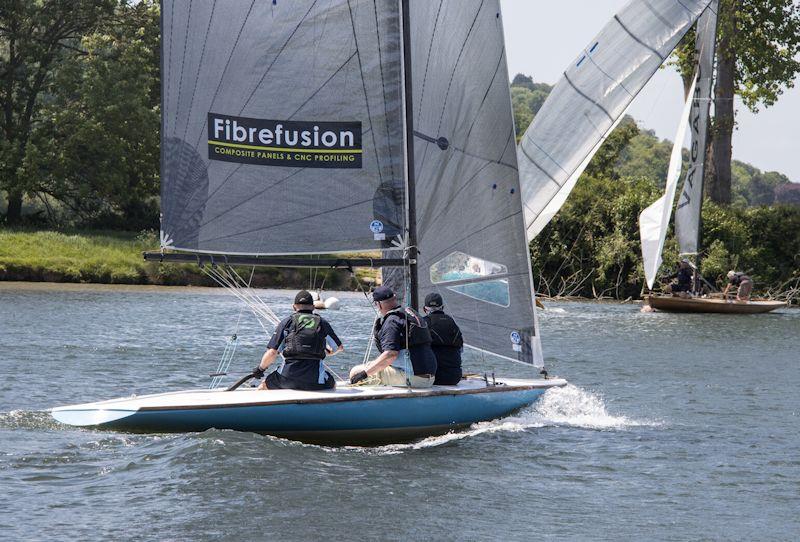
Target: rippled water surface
x=673 y=428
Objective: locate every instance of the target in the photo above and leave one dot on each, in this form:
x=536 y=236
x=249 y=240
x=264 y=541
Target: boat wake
x=28 y=419
x=569 y=406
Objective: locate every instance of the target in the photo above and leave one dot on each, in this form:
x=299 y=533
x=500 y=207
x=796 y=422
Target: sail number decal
x=284 y=143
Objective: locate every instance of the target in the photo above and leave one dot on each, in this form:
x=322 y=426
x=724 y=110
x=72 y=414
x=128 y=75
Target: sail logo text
x=284 y=143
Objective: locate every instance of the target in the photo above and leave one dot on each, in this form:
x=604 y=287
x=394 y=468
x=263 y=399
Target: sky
x=543 y=37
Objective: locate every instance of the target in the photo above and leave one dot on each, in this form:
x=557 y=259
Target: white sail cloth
x=687 y=214
x=593 y=94
x=654 y=221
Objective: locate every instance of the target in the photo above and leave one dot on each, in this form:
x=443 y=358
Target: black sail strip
x=638 y=40
x=587 y=98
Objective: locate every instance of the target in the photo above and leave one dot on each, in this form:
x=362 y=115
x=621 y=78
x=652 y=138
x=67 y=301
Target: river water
x=673 y=428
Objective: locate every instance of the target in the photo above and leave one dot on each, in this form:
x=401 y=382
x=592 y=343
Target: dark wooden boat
x=705 y=304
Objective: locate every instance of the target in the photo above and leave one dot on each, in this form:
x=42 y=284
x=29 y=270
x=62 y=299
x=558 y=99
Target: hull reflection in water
x=348 y=415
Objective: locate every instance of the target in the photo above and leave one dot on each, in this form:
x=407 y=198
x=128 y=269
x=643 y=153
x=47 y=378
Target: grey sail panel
x=282 y=128
x=469 y=213
x=592 y=95
x=690 y=202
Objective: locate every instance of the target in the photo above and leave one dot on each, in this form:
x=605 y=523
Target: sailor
x=684 y=276
x=399 y=334
x=304 y=338
x=446 y=341
x=744 y=283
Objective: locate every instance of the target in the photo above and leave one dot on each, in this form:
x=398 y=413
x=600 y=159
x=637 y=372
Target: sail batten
x=591 y=98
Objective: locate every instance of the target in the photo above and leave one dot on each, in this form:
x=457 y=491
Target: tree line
x=79 y=81
x=79 y=135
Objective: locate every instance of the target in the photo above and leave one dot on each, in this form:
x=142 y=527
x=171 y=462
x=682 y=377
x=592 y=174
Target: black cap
x=434 y=301
x=382 y=293
x=303 y=298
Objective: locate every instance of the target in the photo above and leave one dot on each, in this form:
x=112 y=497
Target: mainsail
x=687 y=214
x=282 y=128
x=593 y=94
x=289 y=129
x=468 y=206
x=654 y=220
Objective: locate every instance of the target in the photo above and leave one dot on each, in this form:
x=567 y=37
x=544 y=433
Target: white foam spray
x=569 y=406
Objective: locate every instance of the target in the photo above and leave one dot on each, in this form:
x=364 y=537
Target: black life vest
x=305 y=339
x=444 y=330
x=416 y=327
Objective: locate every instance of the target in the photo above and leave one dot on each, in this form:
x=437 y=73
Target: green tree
x=35 y=35
x=527 y=98
x=758 y=43
x=96 y=147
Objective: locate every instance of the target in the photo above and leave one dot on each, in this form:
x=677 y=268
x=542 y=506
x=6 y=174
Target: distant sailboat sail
x=687 y=214
x=654 y=220
x=468 y=204
x=285 y=132
x=590 y=98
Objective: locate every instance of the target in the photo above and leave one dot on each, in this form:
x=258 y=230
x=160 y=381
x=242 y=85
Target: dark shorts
x=447 y=376
x=276 y=381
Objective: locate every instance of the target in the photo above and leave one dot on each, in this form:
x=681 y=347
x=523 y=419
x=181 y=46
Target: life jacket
x=444 y=330
x=416 y=327
x=305 y=338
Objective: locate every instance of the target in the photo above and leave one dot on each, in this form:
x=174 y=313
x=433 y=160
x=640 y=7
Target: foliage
x=84 y=83
x=526 y=99
x=765 y=36
x=591 y=248
x=96 y=148
x=788 y=194
x=35 y=38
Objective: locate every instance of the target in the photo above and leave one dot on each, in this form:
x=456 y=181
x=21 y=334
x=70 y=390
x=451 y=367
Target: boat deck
x=219 y=398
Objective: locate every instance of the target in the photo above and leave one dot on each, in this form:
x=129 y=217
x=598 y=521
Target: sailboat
x=654 y=220
x=344 y=134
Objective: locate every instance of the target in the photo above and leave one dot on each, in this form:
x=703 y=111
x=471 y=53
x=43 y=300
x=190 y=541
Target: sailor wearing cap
x=446 y=341
x=744 y=283
x=304 y=338
x=397 y=333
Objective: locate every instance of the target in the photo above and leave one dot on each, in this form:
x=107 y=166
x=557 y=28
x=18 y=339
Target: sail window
x=491 y=291
x=459 y=266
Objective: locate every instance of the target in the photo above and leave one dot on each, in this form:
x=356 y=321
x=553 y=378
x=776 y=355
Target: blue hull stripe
x=378 y=414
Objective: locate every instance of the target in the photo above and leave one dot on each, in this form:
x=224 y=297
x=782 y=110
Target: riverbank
x=112 y=257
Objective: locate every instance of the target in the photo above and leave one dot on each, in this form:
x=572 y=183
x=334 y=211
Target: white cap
x=731 y=274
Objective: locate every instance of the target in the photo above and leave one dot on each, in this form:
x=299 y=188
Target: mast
x=409 y=137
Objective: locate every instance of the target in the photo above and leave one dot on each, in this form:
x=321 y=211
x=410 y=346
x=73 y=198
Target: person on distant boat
x=744 y=283
x=446 y=341
x=397 y=333
x=683 y=277
x=304 y=338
